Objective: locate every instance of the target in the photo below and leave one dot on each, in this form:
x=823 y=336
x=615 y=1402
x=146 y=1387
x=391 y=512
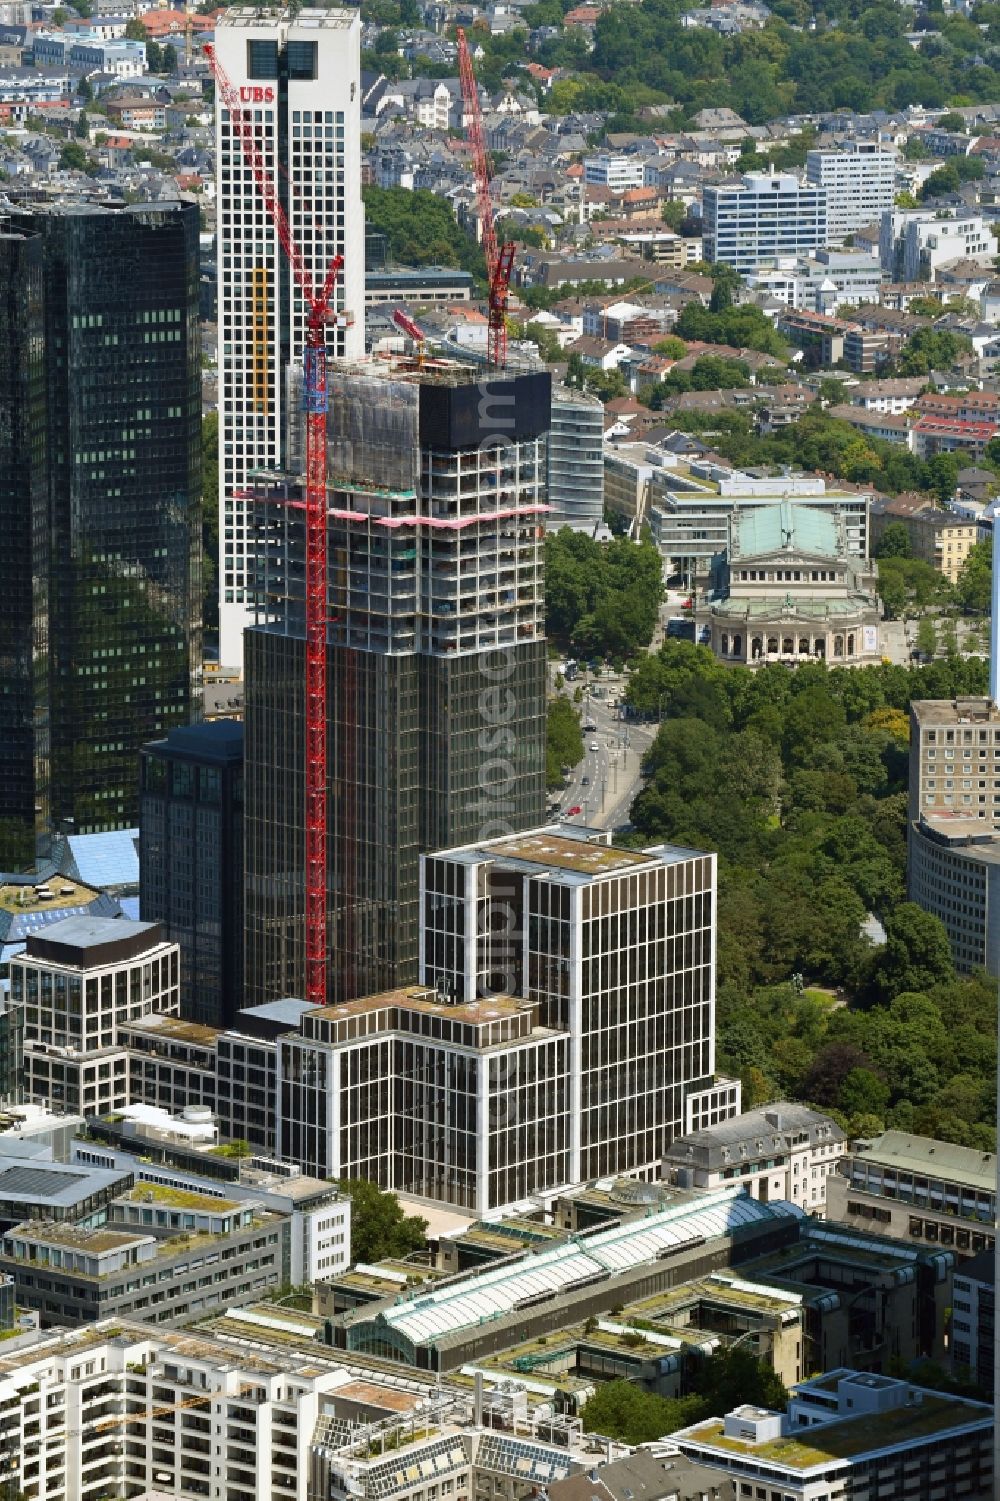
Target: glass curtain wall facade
x=616 y=949
x=24 y=752
x=436 y=690
x=191 y=866
x=123 y=414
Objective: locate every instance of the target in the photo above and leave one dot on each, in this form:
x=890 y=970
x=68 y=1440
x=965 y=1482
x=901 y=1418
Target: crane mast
x=315 y=402
x=499 y=256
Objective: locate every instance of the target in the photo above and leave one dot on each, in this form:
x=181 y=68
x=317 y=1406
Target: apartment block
x=763 y=218
x=942 y=538
x=615 y=172
x=913 y=243
x=575 y=461
x=860 y=180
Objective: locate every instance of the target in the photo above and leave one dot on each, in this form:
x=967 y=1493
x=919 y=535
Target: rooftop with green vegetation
x=45 y=896
x=163 y=1195
x=850 y=1438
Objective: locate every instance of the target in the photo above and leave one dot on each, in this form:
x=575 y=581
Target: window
x=262 y=59
x=302 y=59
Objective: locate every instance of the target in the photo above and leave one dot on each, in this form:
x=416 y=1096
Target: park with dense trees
x=799 y=781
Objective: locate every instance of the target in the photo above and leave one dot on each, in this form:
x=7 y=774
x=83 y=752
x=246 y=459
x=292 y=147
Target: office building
x=299 y=71
x=860 y=181
x=843 y=1429
x=822 y=283
x=102 y=423
x=436 y=663
x=762 y=218
x=191 y=870
x=616 y=948
x=157 y=1256
x=11 y=1053
x=575 y=470
x=953 y=854
x=77 y=982
x=783 y=1151
x=917 y=1190
x=24 y=746
x=973 y=1321
x=504 y=1075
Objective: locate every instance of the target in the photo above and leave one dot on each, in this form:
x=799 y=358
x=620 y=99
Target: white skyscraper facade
x=860 y=180
x=298 y=77
x=761 y=219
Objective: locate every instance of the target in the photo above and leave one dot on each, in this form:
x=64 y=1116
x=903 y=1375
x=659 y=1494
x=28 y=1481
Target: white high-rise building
x=762 y=218
x=299 y=77
x=860 y=180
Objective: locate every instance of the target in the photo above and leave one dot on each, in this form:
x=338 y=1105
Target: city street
x=612 y=771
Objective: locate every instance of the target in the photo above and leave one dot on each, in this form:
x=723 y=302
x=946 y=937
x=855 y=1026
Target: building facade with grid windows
x=298 y=74
x=953 y=853
x=436 y=662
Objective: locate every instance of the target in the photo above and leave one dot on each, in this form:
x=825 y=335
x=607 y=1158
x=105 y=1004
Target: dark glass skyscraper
x=24 y=771
x=191 y=861
x=116 y=365
x=436 y=691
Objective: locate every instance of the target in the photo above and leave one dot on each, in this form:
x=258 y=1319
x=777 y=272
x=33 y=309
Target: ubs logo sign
x=254 y=94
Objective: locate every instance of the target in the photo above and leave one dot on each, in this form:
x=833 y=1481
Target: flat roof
x=423 y=998
x=493 y=1293
x=48 y=1233
x=67 y=892
x=928 y=1157
x=56 y=1186
x=851 y=1438
x=175 y=1027
x=955 y=711
x=165 y=1195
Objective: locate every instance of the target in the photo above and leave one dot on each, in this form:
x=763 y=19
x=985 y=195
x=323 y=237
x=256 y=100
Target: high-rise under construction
x=436 y=662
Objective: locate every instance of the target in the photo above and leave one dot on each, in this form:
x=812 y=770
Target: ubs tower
x=100 y=502
x=436 y=662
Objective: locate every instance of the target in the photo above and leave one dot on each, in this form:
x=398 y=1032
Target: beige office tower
x=297 y=75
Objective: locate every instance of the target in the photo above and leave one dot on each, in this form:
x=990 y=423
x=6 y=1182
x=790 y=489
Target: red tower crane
x=315 y=401
x=499 y=257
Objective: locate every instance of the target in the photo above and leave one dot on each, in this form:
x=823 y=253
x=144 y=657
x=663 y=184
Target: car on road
x=585 y=781
x=572 y=812
x=589 y=727
x=594 y=745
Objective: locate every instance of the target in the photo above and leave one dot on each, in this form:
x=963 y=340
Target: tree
x=894 y=542
x=564 y=740
x=916 y=955
x=727 y=281
x=379 y=1228
x=73 y=158
x=976 y=577
x=135 y=31
x=625 y=1411
x=168 y=58
x=927 y=641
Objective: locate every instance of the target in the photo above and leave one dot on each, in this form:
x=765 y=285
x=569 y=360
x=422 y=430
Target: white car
x=594 y=745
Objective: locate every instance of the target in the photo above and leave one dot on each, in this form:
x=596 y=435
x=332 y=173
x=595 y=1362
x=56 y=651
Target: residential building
x=575 y=461
x=893 y=396
x=845 y=1427
x=137 y=112
x=953 y=852
x=191 y=840
x=860 y=180
x=822 y=283
x=301 y=71
x=436 y=657
x=918 y=1190
x=101 y=617
x=76 y=983
x=939 y=537
x=783 y=1151
x=913 y=243
x=786 y=588
x=929 y=435
x=615 y=172
x=973 y=1321
x=762 y=218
